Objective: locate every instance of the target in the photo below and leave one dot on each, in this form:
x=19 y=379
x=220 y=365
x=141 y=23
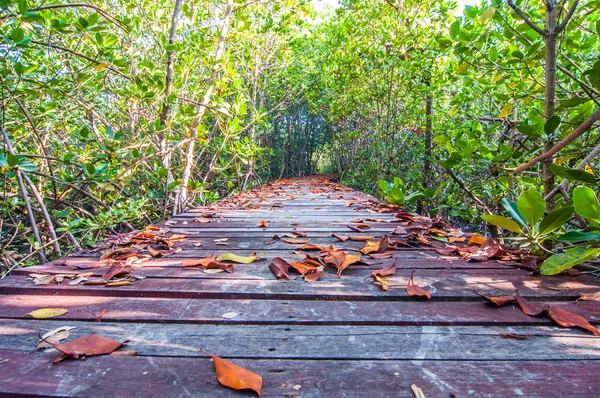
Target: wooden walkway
x=335 y=337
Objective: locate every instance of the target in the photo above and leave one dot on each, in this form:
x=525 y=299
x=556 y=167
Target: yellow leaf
x=462 y=67
x=46 y=313
x=505 y=110
x=239 y=259
x=487 y=14
x=453 y=111
x=100 y=66
x=588 y=169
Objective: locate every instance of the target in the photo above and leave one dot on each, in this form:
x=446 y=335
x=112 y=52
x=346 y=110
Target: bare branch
x=565 y=21
x=528 y=21
x=566 y=141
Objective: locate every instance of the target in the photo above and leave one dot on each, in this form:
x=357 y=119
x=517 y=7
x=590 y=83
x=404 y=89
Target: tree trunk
x=550 y=94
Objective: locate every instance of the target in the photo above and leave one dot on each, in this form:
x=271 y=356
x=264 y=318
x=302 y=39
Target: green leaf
x=23 y=7
x=586 y=204
x=572 y=102
x=17 y=35
x=528 y=130
x=502 y=222
x=531 y=206
x=579 y=236
x=234 y=258
x=454 y=29
x=552 y=124
x=556 y=219
x=570 y=258
x=3 y=162
x=493 y=54
x=12 y=160
x=487 y=14
x=511 y=208
x=573 y=174
x=383 y=185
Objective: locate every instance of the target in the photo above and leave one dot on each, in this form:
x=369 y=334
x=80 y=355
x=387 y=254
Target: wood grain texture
x=336 y=337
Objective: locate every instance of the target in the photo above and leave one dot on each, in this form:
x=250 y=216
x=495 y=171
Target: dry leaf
x=303 y=268
x=476 y=240
x=234 y=376
x=589 y=296
x=378 y=256
x=54 y=336
x=115 y=270
x=280 y=268
x=515 y=336
x=499 y=301
x=568 y=319
x=88 y=346
x=203 y=262
x=46 y=313
x=360 y=238
x=415 y=290
x=387 y=271
x=262 y=224
x=294 y=241
x=343 y=238
x=381 y=281
x=527 y=307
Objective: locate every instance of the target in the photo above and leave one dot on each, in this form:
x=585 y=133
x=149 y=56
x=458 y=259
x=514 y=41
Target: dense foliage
x=120 y=113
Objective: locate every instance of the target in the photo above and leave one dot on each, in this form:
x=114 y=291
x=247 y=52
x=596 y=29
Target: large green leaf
x=511 y=208
x=579 y=236
x=569 y=259
x=556 y=219
x=574 y=174
x=502 y=222
x=531 y=206
x=586 y=204
x=551 y=125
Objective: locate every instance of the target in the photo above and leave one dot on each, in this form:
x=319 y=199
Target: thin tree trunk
x=550 y=93
x=189 y=158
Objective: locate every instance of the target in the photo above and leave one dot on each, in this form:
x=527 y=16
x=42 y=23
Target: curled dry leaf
x=299 y=233
x=54 y=336
x=342 y=238
x=315 y=275
x=415 y=290
x=360 y=238
x=498 y=301
x=280 y=268
x=262 y=224
x=294 y=241
x=115 y=270
x=234 y=258
x=310 y=247
x=515 y=336
x=303 y=268
x=589 y=296
x=476 y=240
x=381 y=281
x=359 y=227
x=234 y=376
x=46 y=313
x=379 y=256
x=117 y=284
x=423 y=240
x=370 y=247
x=568 y=319
x=203 y=262
x=387 y=271
x=527 y=307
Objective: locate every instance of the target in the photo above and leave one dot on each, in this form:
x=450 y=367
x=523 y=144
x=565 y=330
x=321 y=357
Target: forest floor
x=345 y=323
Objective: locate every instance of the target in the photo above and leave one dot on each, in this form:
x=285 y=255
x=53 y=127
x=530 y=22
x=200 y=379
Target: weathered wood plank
x=171 y=377
x=273 y=312
x=454 y=343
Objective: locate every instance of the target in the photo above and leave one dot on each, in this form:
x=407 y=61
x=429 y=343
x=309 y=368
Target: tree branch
x=565 y=21
x=525 y=19
x=566 y=141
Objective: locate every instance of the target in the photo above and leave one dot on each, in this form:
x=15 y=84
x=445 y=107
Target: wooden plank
x=456 y=343
x=169 y=377
x=355 y=285
x=272 y=312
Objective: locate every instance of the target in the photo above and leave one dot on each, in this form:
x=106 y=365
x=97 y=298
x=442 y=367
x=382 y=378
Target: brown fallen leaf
x=117 y=284
x=115 y=270
x=280 y=268
x=515 y=336
x=343 y=238
x=310 y=247
x=262 y=224
x=589 y=297
x=315 y=275
x=234 y=376
x=299 y=233
x=203 y=262
x=387 y=271
x=294 y=241
x=400 y=231
x=423 y=240
x=302 y=268
x=203 y=220
x=360 y=238
x=415 y=290
x=88 y=346
x=527 y=307
x=498 y=301
x=568 y=319
x=359 y=227
x=379 y=256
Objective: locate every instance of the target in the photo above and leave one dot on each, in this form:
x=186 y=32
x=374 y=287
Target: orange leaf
x=499 y=301
x=370 y=247
x=415 y=290
x=202 y=262
x=476 y=240
x=234 y=376
x=380 y=280
x=294 y=241
x=387 y=271
x=303 y=268
x=527 y=307
x=360 y=238
x=568 y=319
x=343 y=238
x=378 y=256
x=262 y=224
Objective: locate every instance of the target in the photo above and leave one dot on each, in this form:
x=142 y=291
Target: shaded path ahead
x=332 y=337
